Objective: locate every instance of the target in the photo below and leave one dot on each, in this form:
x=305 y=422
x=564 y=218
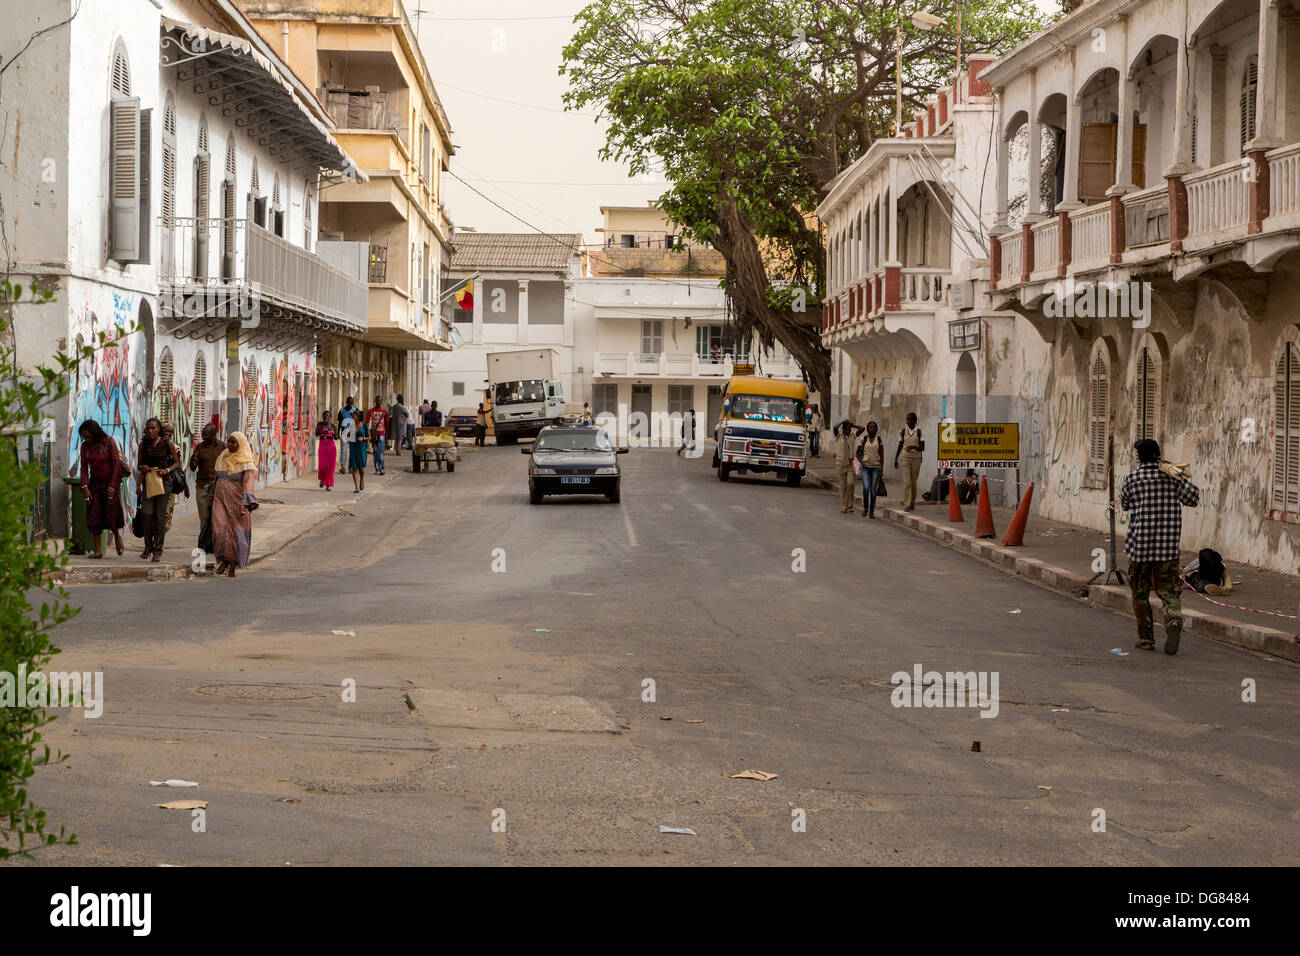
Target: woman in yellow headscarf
x=233 y=504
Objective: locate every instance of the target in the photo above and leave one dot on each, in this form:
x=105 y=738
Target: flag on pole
x=464 y=294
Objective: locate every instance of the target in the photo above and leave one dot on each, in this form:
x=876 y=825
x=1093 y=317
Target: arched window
x=306 y=216
x=1098 y=414
x=1249 y=85
x=202 y=191
x=251 y=383
x=228 y=212
x=1285 y=500
x=128 y=134
x=276 y=224
x=1146 y=395
x=166 y=380
x=199 y=393
x=121 y=70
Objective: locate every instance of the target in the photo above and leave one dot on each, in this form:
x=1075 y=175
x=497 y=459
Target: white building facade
x=165 y=190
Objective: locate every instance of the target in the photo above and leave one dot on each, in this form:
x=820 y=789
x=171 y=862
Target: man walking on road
x=688 y=432
x=911 y=444
x=345 y=450
x=1154 y=496
x=845 y=434
x=377 y=424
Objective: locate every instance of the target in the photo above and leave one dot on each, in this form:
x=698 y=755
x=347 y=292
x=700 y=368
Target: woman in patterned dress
x=233 y=503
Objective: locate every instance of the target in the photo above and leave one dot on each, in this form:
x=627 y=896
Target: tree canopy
x=751 y=107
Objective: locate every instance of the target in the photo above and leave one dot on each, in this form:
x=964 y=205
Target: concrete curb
x=1252 y=637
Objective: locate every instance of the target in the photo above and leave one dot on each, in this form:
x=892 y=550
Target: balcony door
x=1097 y=146
x=652 y=339
x=228 y=230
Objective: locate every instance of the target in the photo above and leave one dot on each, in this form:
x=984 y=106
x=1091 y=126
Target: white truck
x=526 y=397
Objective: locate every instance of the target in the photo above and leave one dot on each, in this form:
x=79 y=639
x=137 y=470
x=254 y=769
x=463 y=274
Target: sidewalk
x=286 y=512
x=1060 y=556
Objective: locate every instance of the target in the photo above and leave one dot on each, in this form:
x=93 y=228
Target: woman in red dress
x=101 y=477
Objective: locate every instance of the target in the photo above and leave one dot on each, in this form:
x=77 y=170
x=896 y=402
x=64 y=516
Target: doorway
x=966 y=406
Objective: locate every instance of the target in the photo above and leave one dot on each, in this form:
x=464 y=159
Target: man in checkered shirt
x=1155 y=502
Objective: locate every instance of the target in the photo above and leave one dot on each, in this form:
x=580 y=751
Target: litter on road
x=753 y=775
x=689 y=721
x=184 y=805
x=344 y=633
x=1016 y=611
x=686 y=830
x=1118 y=653
x=172 y=783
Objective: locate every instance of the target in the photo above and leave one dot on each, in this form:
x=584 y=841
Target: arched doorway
x=966 y=407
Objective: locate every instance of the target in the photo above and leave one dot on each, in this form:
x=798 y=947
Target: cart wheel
x=451 y=466
x=415 y=460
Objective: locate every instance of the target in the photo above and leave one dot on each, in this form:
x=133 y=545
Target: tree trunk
x=747 y=285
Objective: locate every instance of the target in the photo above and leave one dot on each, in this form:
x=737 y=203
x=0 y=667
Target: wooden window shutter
x=1139 y=164
x=306 y=219
x=166 y=381
x=1249 y=85
x=1195 y=127
x=1146 y=395
x=124 y=171
x=1096 y=160
x=201 y=190
x=121 y=71
x=1278 y=499
x=1098 y=412
x=199 y=394
x=250 y=398
x=1292 y=431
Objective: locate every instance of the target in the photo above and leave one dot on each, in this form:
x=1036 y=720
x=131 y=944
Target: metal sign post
x=1112 y=566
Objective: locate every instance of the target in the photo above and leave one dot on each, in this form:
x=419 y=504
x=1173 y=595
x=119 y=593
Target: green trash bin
x=79 y=541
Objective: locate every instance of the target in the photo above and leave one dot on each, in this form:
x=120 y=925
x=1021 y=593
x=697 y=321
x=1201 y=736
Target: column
x=1124 y=135
x=568 y=312
x=1266 y=125
x=1035 y=144
x=1182 y=163
x=1073 y=134
x=522 y=338
x=1004 y=160
x=480 y=293
x=892 y=212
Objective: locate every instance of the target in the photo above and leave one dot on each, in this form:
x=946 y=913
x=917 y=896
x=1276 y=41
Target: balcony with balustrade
x=1208 y=183
x=218 y=273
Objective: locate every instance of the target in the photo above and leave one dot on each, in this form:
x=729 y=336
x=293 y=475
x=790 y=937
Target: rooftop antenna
x=419 y=13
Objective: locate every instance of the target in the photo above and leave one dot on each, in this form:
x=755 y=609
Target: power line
x=527 y=106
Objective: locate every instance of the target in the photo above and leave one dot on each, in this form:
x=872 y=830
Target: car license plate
x=575 y=481
x=764 y=461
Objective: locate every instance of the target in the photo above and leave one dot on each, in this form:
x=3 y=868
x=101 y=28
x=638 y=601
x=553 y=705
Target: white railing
x=922 y=286
x=1047 y=245
x=1217 y=199
x=1012 y=259
x=1146 y=217
x=228 y=253
x=686 y=365
x=1284 y=180
x=1090 y=235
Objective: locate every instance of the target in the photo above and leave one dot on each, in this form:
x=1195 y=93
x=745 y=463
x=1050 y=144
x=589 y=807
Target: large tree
x=751 y=107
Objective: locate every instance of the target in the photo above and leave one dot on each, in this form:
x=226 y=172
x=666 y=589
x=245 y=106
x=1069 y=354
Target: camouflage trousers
x=1161 y=577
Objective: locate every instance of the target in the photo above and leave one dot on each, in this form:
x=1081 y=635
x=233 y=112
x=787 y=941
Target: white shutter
x=201 y=190
x=124 y=174
x=166 y=381
x=199 y=393
x=1278 y=498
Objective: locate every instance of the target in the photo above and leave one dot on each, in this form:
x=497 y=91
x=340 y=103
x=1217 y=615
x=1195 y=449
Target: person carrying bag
x=869 y=463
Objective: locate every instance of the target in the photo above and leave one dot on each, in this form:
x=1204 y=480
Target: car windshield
x=511 y=393
x=767 y=408
x=573 y=441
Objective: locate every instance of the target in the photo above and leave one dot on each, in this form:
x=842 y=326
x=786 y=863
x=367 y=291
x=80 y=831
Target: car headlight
x=543 y=471
x=607 y=471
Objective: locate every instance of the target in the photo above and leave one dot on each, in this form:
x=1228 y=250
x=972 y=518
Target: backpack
x=1211 y=566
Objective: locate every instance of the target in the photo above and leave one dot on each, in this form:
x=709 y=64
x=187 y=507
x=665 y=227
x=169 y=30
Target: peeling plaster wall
x=1218 y=372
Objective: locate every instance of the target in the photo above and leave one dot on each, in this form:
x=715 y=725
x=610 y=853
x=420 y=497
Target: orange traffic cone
x=954 y=506
x=984 y=513
x=1015 y=535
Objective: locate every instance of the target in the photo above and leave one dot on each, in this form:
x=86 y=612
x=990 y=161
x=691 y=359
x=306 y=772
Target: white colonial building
x=906 y=242
x=164 y=186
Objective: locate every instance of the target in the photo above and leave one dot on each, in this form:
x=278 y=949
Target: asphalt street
x=503 y=655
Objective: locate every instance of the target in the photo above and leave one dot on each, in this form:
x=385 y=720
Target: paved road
x=521 y=690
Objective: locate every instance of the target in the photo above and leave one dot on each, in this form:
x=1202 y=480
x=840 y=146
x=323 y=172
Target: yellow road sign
x=979 y=445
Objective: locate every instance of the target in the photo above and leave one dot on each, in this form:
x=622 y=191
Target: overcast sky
x=495 y=65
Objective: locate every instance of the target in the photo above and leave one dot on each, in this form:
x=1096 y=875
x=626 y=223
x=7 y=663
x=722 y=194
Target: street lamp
x=928 y=21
